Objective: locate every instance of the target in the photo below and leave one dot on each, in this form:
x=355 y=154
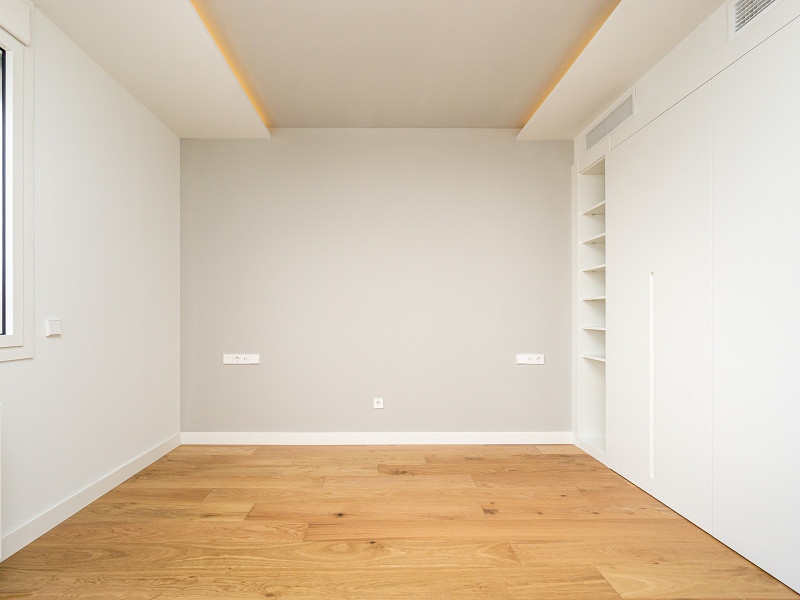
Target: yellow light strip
x=571 y=61
x=225 y=51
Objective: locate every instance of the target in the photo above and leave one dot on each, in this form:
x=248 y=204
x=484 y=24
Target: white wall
x=404 y=264
x=107 y=264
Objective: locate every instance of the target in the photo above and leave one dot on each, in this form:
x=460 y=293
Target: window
x=3 y=252
x=16 y=215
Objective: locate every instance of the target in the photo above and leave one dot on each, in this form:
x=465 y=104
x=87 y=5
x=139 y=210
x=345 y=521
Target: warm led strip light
x=242 y=82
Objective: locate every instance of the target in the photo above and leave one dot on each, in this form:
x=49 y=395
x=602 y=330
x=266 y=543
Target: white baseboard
x=357 y=438
x=21 y=537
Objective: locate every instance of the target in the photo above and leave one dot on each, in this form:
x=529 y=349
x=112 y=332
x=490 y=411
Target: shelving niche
x=591 y=228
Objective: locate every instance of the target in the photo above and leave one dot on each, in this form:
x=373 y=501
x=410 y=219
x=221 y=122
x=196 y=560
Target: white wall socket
x=241 y=359
x=530 y=359
x=377 y=403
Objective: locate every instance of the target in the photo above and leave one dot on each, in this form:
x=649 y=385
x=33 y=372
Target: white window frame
x=17 y=343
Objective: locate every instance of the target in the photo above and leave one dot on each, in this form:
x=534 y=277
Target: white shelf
x=595 y=269
x=598 y=357
x=600 y=238
x=590 y=279
x=597 y=209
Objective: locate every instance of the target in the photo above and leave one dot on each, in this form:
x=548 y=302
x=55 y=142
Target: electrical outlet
x=530 y=359
x=241 y=359
x=377 y=403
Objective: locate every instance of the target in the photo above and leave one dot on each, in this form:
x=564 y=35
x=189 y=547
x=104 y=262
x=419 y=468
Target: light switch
x=52 y=327
x=241 y=359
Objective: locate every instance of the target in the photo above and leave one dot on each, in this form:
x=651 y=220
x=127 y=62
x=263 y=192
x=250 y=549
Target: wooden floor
x=373 y=522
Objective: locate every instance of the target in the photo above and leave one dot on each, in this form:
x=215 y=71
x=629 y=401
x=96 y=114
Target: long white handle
x=652 y=376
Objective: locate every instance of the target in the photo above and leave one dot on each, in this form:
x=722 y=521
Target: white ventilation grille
x=745 y=11
x=614 y=119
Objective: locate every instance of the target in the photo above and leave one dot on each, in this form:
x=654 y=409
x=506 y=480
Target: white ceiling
x=160 y=51
x=635 y=37
x=376 y=63
x=401 y=63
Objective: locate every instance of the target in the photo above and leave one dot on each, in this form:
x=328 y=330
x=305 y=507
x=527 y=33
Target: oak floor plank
x=572 y=504
x=340 y=494
x=483 y=468
x=555 y=463
x=559 y=449
x=550 y=475
x=355 y=584
x=615 y=493
x=406 y=483
x=326 y=455
x=156 y=494
x=562 y=496
x=251 y=560
x=304 y=471
x=542 y=530
x=330 y=512
x=162 y=469
x=693 y=580
x=201 y=450
x=704 y=550
x=179 y=532
x=479 y=453
x=127 y=512
x=281 y=460
x=221 y=481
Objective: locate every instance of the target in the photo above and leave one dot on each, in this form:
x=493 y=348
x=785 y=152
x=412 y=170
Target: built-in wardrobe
x=696 y=396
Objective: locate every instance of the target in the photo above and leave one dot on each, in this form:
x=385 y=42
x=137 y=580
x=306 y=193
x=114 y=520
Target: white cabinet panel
x=756 y=206
x=681 y=151
x=658 y=219
x=628 y=257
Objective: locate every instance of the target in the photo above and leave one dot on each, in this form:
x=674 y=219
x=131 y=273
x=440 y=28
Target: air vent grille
x=745 y=11
x=597 y=134
x=614 y=119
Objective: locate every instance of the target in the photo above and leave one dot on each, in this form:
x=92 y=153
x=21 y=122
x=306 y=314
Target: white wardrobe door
x=682 y=309
x=756 y=178
x=628 y=239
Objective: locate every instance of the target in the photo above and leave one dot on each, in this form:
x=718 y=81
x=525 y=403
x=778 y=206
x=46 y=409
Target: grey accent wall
x=410 y=265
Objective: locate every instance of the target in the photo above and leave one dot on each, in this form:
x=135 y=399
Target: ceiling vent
x=614 y=119
x=745 y=11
